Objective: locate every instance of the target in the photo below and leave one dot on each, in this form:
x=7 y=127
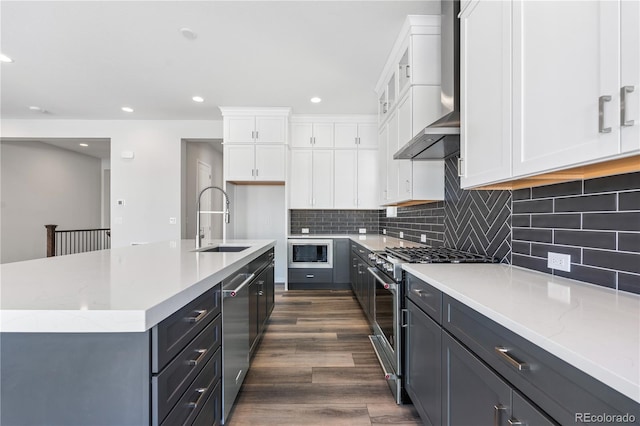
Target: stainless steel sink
x=223 y=249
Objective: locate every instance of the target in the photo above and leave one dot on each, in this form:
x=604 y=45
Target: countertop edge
x=604 y=375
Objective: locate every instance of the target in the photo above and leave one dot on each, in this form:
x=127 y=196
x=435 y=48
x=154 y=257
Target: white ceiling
x=87 y=59
x=96 y=147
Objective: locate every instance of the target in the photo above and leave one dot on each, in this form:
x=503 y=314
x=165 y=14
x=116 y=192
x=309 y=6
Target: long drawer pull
x=388 y=373
x=310 y=276
x=421 y=293
x=514 y=422
x=194 y=405
x=195 y=362
x=504 y=353
x=201 y=314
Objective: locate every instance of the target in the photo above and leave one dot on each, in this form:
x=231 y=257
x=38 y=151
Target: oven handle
x=388 y=286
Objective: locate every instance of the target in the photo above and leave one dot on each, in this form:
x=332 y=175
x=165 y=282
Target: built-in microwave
x=311 y=253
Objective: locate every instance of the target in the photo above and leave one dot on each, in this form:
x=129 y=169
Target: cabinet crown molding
x=325 y=118
x=236 y=111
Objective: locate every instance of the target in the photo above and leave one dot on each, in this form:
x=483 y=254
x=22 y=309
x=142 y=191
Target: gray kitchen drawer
x=170 y=384
x=557 y=387
x=193 y=400
x=211 y=413
x=174 y=333
x=311 y=275
x=427 y=297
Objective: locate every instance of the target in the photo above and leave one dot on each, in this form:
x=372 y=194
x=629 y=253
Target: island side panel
x=74 y=378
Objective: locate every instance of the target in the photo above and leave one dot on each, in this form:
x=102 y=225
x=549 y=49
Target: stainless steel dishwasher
x=235 y=330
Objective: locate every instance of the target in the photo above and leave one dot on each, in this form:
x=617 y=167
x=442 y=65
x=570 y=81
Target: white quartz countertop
x=128 y=289
x=595 y=329
x=370 y=241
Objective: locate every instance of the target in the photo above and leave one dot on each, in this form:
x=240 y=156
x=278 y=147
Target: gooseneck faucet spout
x=225 y=212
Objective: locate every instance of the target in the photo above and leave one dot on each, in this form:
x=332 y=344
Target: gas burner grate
x=437 y=255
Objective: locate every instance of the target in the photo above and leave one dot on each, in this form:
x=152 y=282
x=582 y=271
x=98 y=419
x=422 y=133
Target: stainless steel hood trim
x=441 y=138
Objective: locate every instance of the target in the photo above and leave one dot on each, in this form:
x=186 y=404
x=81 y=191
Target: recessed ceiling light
x=38 y=109
x=188 y=33
x=127 y=109
x=198 y=99
x=316 y=100
x=5 y=58
x=84 y=144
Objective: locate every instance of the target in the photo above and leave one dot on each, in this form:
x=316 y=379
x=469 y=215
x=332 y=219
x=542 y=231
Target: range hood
x=441 y=138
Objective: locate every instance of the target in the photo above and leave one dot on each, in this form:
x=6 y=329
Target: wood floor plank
x=315 y=366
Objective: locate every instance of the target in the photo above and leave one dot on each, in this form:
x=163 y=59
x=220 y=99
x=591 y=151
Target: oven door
x=310 y=253
x=386 y=339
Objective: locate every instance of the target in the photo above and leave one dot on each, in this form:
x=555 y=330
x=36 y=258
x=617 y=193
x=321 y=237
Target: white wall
x=206 y=153
x=258 y=212
x=150 y=183
x=43 y=184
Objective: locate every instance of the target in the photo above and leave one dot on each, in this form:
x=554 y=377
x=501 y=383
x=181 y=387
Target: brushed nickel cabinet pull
x=195 y=362
x=623 y=106
x=201 y=314
x=406 y=71
x=601 y=102
x=460 y=174
x=194 y=405
x=504 y=354
x=496 y=413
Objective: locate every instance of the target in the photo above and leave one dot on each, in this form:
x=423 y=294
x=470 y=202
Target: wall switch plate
x=423 y=238
x=559 y=261
x=362 y=230
x=384 y=232
x=305 y=230
x=401 y=234
x=120 y=202
x=172 y=221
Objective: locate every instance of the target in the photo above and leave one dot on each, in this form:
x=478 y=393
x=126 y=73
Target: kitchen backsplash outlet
x=596 y=222
x=334 y=221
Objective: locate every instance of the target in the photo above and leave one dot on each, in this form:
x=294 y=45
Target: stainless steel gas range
x=390 y=313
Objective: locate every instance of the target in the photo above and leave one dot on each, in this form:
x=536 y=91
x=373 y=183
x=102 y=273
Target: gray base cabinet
x=490 y=375
x=424 y=365
x=362 y=282
x=261 y=302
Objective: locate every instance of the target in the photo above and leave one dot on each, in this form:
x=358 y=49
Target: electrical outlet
x=362 y=230
x=423 y=238
x=305 y=230
x=401 y=234
x=172 y=221
x=384 y=232
x=559 y=261
x=120 y=202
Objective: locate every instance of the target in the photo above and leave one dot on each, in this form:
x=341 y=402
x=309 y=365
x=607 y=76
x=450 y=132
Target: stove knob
x=379 y=261
x=388 y=267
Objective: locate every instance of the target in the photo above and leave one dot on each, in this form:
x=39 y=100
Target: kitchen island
x=78 y=332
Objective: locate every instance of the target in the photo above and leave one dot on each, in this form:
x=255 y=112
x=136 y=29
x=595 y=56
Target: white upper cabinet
x=630 y=76
x=311 y=135
x=393 y=166
x=368 y=179
x=346 y=179
x=356 y=135
x=252 y=125
x=566 y=87
x=254 y=144
x=311 y=183
x=547 y=86
x=485 y=80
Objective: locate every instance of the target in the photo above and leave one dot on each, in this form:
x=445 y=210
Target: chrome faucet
x=225 y=212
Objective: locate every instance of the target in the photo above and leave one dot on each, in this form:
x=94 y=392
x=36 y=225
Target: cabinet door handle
x=310 y=276
x=601 y=102
x=496 y=413
x=460 y=174
x=623 y=106
x=195 y=362
x=201 y=314
x=406 y=71
x=311 y=140
x=253 y=134
x=194 y=405
x=504 y=354
x=405 y=318
x=408 y=185
x=512 y=421
x=257 y=135
x=253 y=172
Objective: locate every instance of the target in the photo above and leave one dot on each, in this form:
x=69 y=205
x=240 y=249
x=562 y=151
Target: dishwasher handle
x=235 y=291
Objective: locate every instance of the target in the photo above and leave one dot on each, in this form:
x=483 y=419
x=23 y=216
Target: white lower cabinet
x=356 y=179
x=254 y=162
x=311 y=183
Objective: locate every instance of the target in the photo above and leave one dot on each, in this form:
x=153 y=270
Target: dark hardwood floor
x=315 y=366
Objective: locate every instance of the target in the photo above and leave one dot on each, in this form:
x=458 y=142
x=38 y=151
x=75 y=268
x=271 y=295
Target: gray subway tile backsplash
x=599 y=226
x=596 y=222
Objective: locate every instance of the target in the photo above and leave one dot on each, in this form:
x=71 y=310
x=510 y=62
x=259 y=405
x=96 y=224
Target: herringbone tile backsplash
x=475 y=221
